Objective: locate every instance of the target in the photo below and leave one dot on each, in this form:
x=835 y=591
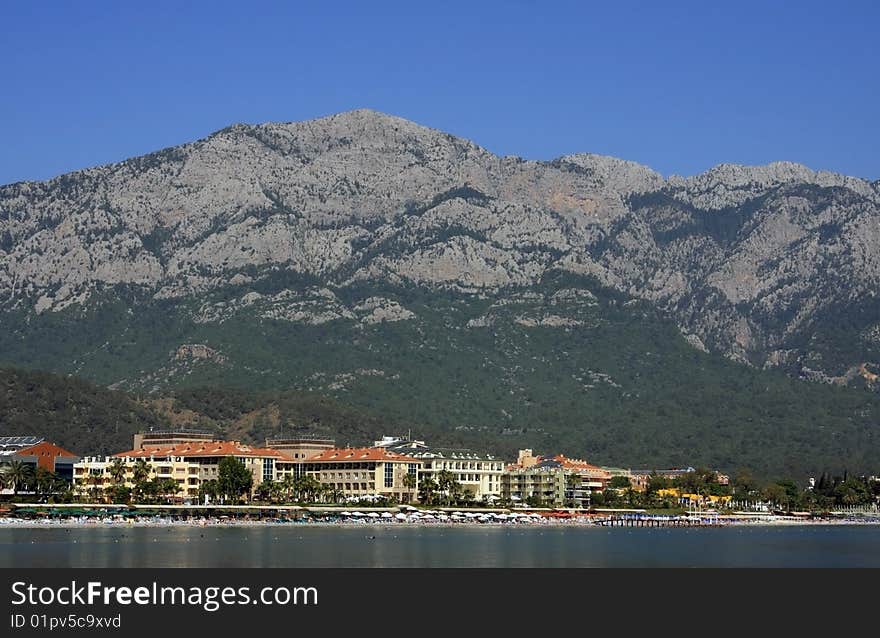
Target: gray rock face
x=752 y=262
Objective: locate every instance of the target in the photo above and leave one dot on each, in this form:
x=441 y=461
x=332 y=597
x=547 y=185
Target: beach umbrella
x=357 y=514
x=400 y=516
x=386 y=515
x=345 y=513
x=443 y=517
x=373 y=515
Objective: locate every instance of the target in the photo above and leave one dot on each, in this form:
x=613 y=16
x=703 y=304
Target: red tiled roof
x=354 y=455
x=202 y=448
x=577 y=464
x=44 y=448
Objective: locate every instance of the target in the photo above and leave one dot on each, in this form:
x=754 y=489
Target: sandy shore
x=22 y=523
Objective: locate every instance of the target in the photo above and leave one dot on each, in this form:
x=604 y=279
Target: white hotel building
x=479 y=474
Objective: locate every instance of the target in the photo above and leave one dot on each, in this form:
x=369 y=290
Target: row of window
x=347 y=475
x=389 y=475
x=352 y=487
x=485 y=466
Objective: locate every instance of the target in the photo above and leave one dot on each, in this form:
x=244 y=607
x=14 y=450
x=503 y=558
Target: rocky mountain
x=336 y=255
x=757 y=263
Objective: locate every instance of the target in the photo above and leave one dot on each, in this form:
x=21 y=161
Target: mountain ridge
x=774 y=167
x=751 y=262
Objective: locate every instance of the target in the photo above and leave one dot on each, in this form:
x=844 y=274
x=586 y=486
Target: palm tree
x=18 y=474
x=168 y=488
x=141 y=470
x=96 y=478
x=289 y=483
x=265 y=490
x=409 y=482
x=43 y=479
x=211 y=489
x=447 y=484
x=62 y=491
x=140 y=474
x=308 y=487
x=427 y=490
x=117 y=470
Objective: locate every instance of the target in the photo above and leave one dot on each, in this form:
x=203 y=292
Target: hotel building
x=360 y=472
x=36 y=452
x=555 y=481
x=189 y=464
x=300 y=448
x=479 y=474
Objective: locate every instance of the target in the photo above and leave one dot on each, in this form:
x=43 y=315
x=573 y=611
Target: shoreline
x=13 y=523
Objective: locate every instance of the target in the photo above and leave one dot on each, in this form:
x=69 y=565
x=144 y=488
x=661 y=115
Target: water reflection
x=403 y=546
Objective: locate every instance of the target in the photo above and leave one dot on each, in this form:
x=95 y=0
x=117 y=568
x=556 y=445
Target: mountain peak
x=622 y=176
x=730 y=184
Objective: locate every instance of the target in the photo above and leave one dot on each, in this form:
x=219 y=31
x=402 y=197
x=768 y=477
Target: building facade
x=556 y=481
x=190 y=465
x=300 y=448
x=159 y=438
x=478 y=474
x=360 y=473
x=536 y=485
x=38 y=453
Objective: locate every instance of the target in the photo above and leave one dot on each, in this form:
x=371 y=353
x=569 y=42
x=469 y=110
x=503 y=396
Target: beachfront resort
x=398 y=479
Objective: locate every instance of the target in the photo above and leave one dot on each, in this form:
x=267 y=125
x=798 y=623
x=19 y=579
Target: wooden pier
x=657 y=521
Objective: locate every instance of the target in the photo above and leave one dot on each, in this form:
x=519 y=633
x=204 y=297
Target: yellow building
x=188 y=464
x=694 y=499
x=359 y=472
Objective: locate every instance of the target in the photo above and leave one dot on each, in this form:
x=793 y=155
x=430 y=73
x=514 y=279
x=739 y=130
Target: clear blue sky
x=680 y=86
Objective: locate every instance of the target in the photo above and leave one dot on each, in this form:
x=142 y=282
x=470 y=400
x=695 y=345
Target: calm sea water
x=400 y=546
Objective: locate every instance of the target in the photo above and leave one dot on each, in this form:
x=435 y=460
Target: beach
x=434 y=521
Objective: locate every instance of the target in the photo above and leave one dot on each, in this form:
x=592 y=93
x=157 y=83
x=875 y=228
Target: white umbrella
x=373 y=515
x=345 y=513
x=386 y=515
x=443 y=517
x=357 y=514
x=400 y=516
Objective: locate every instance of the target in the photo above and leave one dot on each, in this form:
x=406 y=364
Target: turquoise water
x=403 y=546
